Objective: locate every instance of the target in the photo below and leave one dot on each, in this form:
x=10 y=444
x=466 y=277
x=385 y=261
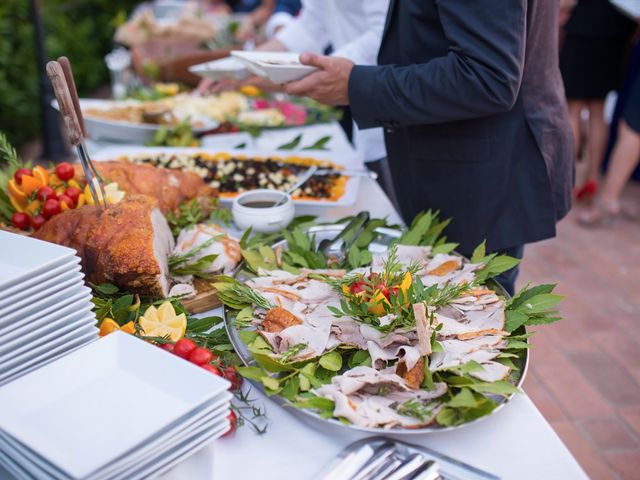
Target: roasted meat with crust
x=128 y=244
x=169 y=187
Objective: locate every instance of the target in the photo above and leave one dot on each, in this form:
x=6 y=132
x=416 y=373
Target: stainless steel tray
x=379 y=245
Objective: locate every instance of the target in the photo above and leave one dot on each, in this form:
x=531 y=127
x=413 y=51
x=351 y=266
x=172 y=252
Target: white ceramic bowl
x=262 y=219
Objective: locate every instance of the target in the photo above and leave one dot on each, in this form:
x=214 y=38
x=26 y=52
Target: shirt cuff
x=362 y=95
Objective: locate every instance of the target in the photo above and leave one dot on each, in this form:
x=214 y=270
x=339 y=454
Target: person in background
x=625 y=158
x=471 y=99
x=596 y=37
x=272 y=14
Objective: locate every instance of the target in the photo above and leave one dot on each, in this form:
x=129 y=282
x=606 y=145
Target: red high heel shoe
x=587 y=191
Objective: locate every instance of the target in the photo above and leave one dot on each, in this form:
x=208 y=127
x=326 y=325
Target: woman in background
x=592 y=55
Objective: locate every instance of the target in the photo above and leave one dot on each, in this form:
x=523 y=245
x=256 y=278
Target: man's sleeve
x=363 y=50
x=479 y=76
x=306 y=32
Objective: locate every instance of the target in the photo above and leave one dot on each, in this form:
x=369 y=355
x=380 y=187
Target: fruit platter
x=149 y=120
x=400 y=334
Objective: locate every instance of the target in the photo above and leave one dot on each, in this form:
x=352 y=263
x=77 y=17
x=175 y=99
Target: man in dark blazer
x=472 y=102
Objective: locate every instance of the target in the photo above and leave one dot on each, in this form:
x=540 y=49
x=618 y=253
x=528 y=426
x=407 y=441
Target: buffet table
x=515 y=442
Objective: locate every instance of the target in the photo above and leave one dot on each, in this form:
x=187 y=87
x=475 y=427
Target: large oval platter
x=384 y=239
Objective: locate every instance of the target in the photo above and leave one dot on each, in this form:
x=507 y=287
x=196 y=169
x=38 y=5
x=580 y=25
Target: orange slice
x=108 y=326
x=15 y=191
x=30 y=184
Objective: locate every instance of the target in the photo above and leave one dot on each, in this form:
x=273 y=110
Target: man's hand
x=330 y=85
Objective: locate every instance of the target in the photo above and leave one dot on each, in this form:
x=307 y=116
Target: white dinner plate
x=193 y=423
x=278 y=67
x=68 y=264
x=44 y=335
x=50 y=291
x=227 y=67
x=43 y=315
x=34 y=291
x=39 y=354
x=141 y=389
x=44 y=303
x=350 y=160
x=122 y=131
x=22 y=257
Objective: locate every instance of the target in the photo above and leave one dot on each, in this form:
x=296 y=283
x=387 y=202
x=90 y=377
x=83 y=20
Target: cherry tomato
x=37 y=221
x=65 y=171
x=233 y=424
x=50 y=208
x=200 y=356
x=67 y=200
x=184 y=347
x=212 y=369
x=167 y=347
x=45 y=193
x=357 y=287
x=231 y=374
x=21 y=220
x=73 y=193
x=20 y=172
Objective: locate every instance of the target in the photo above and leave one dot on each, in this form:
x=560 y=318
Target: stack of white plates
x=45 y=308
x=118 y=408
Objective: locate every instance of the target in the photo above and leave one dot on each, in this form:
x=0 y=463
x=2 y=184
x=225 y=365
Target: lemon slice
x=163 y=322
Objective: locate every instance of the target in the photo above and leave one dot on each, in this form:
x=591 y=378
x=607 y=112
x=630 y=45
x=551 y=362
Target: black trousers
x=508 y=278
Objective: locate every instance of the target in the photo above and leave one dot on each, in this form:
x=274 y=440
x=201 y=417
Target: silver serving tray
x=379 y=245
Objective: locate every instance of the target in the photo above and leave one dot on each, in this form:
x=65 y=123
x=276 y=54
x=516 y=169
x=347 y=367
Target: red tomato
x=67 y=200
x=358 y=286
x=73 y=193
x=184 y=347
x=200 y=356
x=233 y=424
x=167 y=346
x=50 y=208
x=20 y=172
x=64 y=171
x=37 y=221
x=21 y=220
x=45 y=193
x=212 y=369
x=231 y=374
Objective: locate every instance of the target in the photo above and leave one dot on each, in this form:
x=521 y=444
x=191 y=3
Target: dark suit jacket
x=472 y=102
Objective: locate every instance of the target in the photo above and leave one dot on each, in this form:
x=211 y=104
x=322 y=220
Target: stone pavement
x=585 y=370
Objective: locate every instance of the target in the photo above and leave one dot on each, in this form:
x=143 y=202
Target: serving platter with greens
x=402 y=333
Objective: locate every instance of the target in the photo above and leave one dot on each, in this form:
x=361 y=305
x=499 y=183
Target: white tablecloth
x=515 y=443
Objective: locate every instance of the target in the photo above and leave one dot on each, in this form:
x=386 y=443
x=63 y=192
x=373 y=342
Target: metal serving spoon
x=336 y=250
x=301 y=181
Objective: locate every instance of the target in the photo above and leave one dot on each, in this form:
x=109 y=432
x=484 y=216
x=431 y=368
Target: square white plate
x=45 y=314
x=210 y=418
x=44 y=335
x=22 y=257
x=67 y=264
x=34 y=291
x=228 y=67
x=117 y=371
x=349 y=160
x=44 y=303
x=38 y=354
x=50 y=291
x=278 y=67
x=30 y=332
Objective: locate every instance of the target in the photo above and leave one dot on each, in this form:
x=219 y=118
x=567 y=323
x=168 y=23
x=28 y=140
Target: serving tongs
x=64 y=87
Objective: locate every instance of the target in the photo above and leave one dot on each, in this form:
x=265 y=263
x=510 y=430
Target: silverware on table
x=348 y=173
x=410 y=467
x=381 y=456
x=301 y=181
x=64 y=87
x=336 y=249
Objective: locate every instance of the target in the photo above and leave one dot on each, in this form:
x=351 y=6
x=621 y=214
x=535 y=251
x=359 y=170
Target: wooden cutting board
x=206 y=298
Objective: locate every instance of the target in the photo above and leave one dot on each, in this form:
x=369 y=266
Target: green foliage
x=80 y=29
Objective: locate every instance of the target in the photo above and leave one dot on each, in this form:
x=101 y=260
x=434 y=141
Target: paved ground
x=585 y=370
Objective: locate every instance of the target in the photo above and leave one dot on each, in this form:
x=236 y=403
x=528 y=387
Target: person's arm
x=306 y=33
x=479 y=76
x=258 y=17
x=363 y=50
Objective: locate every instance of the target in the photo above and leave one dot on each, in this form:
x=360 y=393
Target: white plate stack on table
x=45 y=307
x=119 y=408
